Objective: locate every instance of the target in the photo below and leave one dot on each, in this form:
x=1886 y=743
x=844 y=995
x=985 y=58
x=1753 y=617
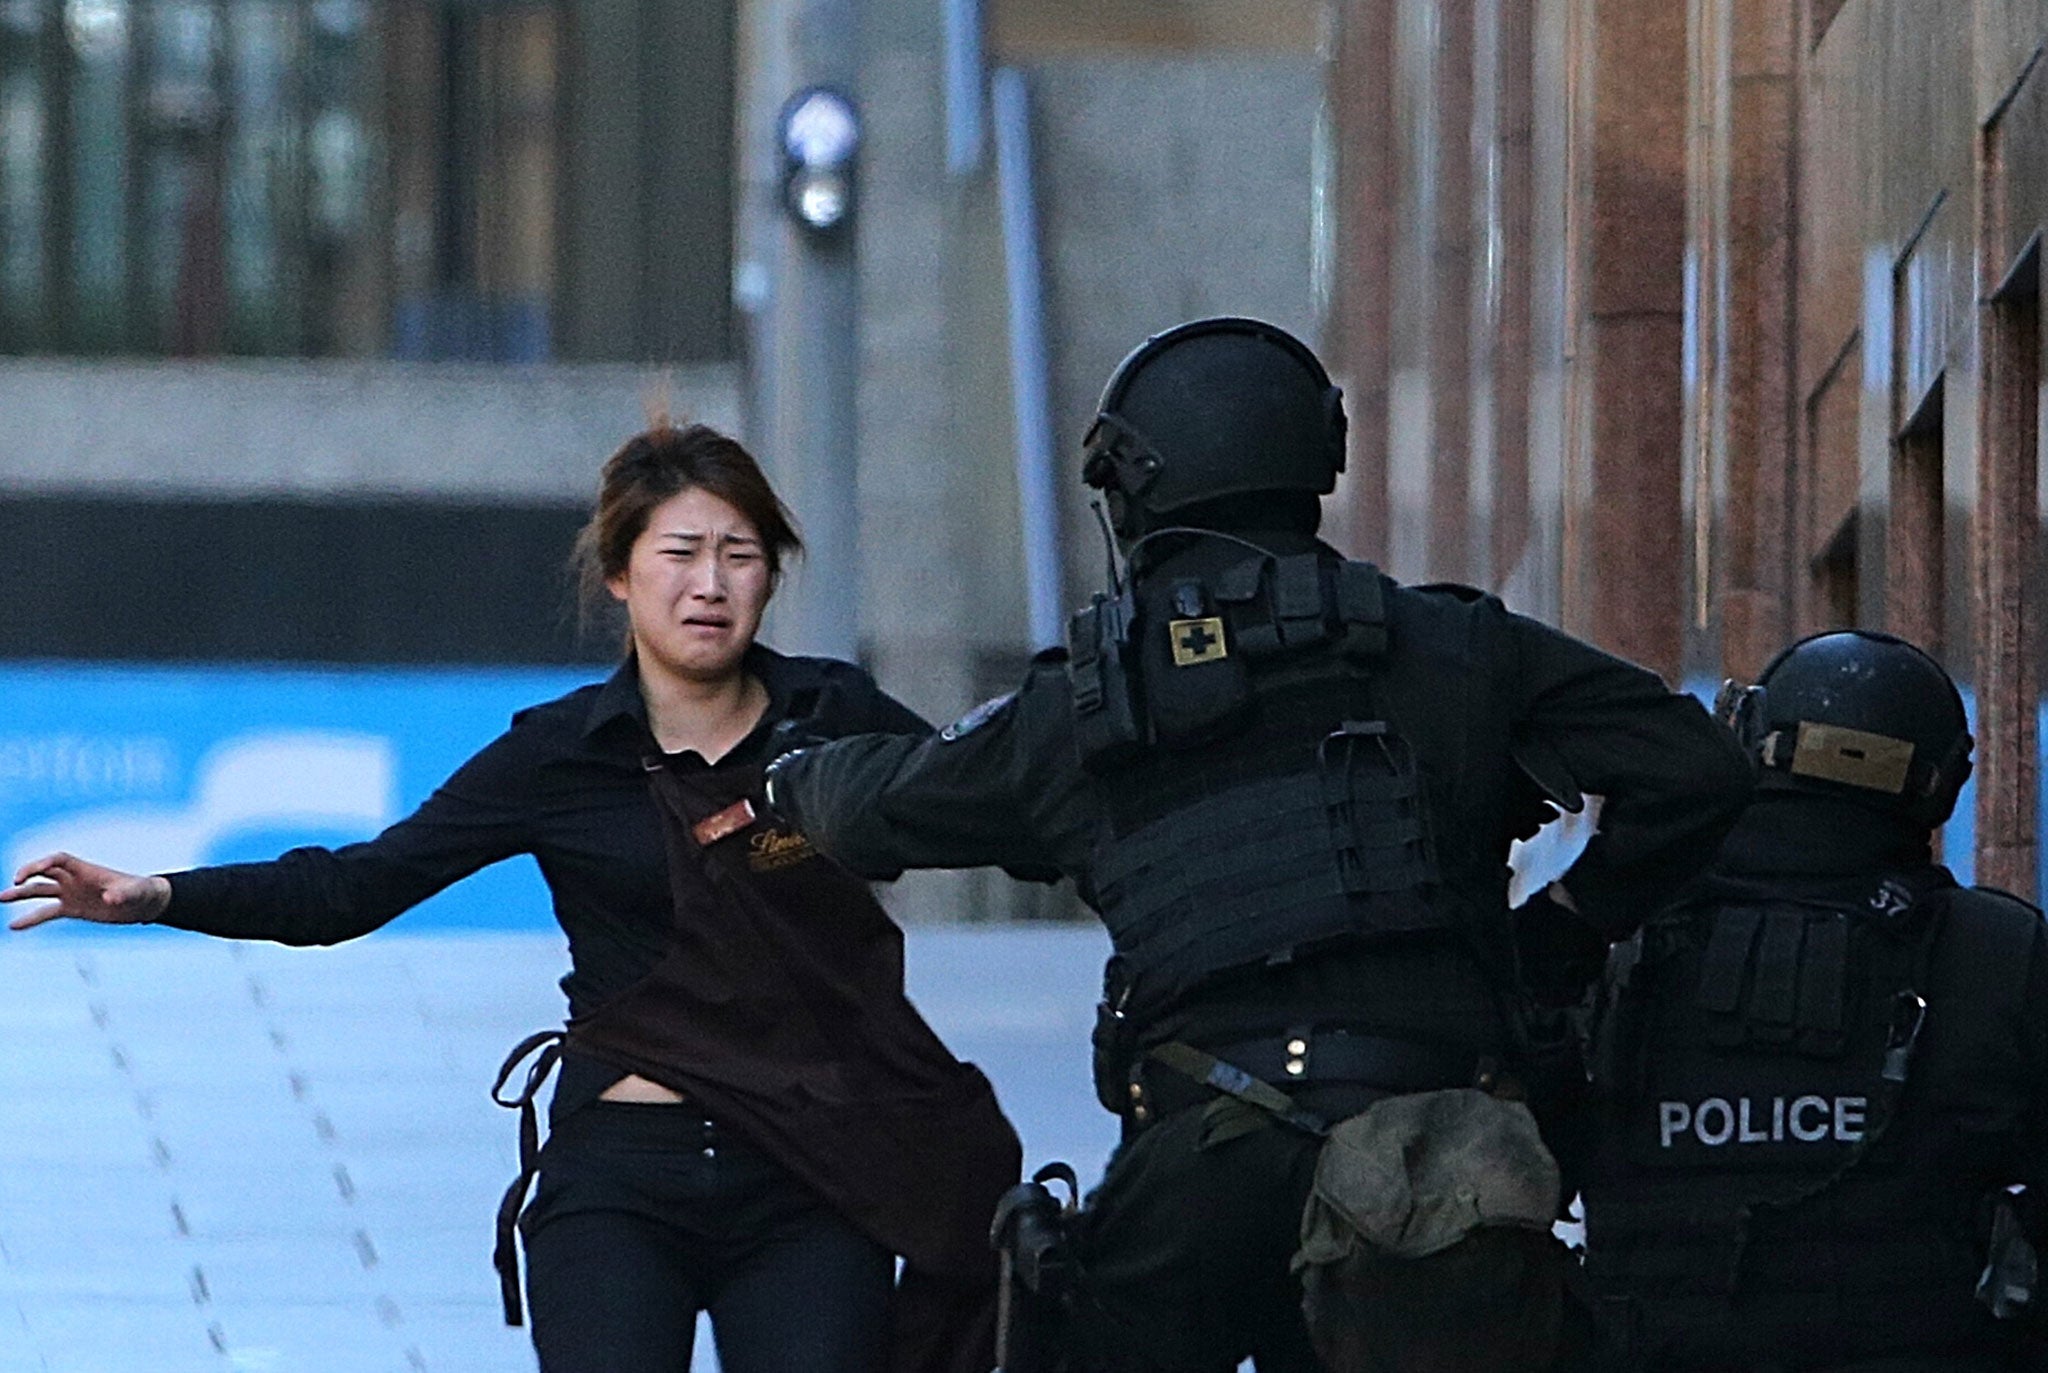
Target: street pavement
x=219 y=1155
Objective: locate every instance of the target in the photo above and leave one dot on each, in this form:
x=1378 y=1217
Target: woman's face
x=694 y=587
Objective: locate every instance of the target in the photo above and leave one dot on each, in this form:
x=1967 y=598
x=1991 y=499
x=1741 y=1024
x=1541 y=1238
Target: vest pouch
x=1378 y=827
x=1285 y=604
x=1777 y=977
x=1107 y=730
x=1191 y=662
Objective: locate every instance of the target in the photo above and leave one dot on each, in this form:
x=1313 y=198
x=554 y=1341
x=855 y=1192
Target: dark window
x=1916 y=572
x=273 y=580
x=1834 y=574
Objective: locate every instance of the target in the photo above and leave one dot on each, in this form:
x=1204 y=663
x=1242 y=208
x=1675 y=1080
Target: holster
x=1114 y=1044
x=1115 y=1039
x=1550 y=1062
x=1029 y=1236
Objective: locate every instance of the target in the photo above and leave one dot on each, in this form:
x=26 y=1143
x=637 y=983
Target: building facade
x=1696 y=327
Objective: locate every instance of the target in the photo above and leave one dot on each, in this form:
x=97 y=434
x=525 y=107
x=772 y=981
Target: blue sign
x=152 y=769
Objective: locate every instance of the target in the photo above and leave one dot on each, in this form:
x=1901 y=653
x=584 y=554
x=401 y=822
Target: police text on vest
x=1719 y=1121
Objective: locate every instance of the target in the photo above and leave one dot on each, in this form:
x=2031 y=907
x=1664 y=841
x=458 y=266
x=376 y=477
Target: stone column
x=1625 y=543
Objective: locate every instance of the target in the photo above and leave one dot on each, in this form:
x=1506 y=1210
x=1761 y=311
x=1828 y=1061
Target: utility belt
x=1267 y=1071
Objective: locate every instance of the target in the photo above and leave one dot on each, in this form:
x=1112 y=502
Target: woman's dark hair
x=656 y=464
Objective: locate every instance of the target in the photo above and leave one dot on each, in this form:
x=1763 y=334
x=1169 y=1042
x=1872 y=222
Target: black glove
x=774 y=793
x=790 y=737
x=1561 y=954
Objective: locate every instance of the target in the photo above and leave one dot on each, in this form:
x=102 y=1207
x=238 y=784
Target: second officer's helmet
x=1209 y=409
x=1860 y=714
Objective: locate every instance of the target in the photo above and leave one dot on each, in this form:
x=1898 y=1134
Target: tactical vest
x=1756 y=1200
x=1257 y=803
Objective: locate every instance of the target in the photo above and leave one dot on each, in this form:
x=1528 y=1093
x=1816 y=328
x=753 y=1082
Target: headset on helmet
x=1213 y=408
x=1857 y=713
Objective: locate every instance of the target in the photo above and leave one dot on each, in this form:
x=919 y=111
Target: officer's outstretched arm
x=1000 y=788
x=1672 y=779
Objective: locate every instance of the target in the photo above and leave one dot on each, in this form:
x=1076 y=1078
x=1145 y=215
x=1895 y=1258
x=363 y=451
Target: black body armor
x=1258 y=803
x=1788 y=1178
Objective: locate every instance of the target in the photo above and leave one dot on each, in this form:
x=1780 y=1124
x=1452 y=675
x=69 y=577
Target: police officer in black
x=1288 y=786
x=1826 y=1067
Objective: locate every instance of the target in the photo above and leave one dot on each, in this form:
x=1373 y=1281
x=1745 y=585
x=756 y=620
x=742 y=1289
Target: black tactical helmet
x=1212 y=408
x=1861 y=714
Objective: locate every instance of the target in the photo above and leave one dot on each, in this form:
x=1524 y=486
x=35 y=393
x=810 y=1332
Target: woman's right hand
x=85 y=891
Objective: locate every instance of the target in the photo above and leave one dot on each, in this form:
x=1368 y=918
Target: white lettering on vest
x=1719 y=1121
x=1675 y=1118
x=1717 y=1135
x=1808 y=1134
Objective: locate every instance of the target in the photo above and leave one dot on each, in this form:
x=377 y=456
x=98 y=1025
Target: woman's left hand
x=79 y=890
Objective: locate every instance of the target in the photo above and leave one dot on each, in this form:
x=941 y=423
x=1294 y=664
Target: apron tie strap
x=547 y=1045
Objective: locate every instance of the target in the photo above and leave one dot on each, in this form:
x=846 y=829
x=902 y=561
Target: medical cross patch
x=1197 y=641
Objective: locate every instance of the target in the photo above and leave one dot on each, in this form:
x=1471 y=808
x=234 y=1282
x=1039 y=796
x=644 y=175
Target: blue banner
x=152 y=768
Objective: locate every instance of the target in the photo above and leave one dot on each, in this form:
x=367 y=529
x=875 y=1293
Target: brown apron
x=780 y=1009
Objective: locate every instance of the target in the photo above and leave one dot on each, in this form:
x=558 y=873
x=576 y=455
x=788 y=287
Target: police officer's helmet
x=1859 y=714
x=1213 y=408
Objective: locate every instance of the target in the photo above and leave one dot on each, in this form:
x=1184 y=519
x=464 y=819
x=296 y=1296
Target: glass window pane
x=98 y=33
x=187 y=275
x=23 y=202
x=526 y=238
x=339 y=265
x=339 y=151
x=264 y=175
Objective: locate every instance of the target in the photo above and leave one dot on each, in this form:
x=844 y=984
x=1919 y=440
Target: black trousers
x=1183 y=1251
x=645 y=1215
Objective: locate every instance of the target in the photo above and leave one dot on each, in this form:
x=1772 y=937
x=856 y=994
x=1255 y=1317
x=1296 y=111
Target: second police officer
x=1288 y=786
x=1826 y=1069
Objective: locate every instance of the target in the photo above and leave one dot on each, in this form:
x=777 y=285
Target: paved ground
x=238 y=1156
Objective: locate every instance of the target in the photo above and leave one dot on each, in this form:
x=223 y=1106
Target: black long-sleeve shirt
x=566 y=784
x=1523 y=705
